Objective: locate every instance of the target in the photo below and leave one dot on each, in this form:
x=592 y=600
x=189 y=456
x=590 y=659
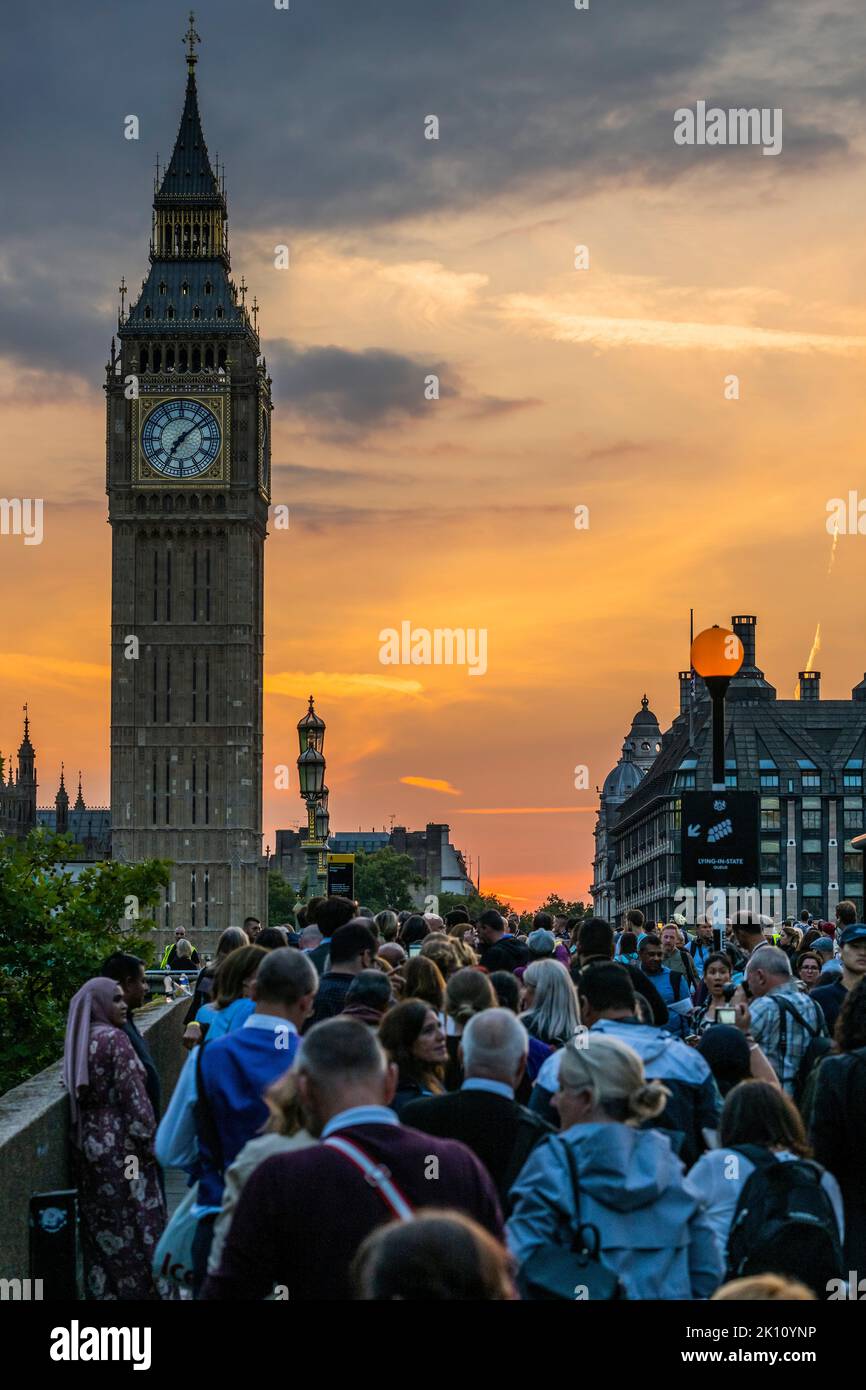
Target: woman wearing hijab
x=121 y=1206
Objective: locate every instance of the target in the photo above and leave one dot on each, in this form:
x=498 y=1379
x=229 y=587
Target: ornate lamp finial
x=191 y=38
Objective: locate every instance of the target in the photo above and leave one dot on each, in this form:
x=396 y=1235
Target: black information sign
x=720 y=839
x=341 y=876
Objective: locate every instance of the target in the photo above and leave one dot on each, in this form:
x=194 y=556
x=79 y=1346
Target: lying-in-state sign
x=719 y=838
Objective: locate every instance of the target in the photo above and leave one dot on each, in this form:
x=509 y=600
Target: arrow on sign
x=694 y=831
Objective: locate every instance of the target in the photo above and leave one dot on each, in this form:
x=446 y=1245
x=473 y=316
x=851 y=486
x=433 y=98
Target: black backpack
x=817 y=1047
x=784 y=1223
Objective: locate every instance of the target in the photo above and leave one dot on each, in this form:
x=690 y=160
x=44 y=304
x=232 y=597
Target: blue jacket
x=234 y=1073
x=652 y=1229
x=694 y=1103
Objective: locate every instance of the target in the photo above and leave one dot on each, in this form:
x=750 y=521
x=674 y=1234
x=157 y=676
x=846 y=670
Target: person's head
x=310 y=937
x=353 y=947
x=650 y=953
x=366 y=912
x=748 y=929
x=541 y=943
x=386 y=924
x=370 y=989
x=726 y=1053
x=99 y=1000
x=757 y=1113
x=435 y=923
x=635 y=921
x=341 y=1065
x=424 y=981
x=252 y=927
x=805 y=915
x=494 y=1047
x=230 y=940
x=179 y=933
x=543 y=921
x=670 y=939
x=414 y=1039
x=412 y=930
x=627 y=945
x=183 y=950
x=285 y=985
x=595 y=939
x=704 y=932
x=604 y=1079
x=507 y=989
x=284 y=1107
x=605 y=991
x=767 y=969
x=442 y=950
x=468 y=993
x=789 y=937
x=455 y=916
x=717 y=974
x=846 y=914
x=809 y=968
x=763 y=1288
x=823 y=947
x=552 y=1010
x=128 y=971
x=853 y=949
x=272 y=938
x=330 y=914
x=234 y=976
x=393 y=953
x=850 y=1030
x=490 y=926
x=439 y=1257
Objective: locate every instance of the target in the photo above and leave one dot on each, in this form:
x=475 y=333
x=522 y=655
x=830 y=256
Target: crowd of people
x=398 y=1105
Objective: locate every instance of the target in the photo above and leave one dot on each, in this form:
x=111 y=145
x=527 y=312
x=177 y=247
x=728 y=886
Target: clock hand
x=180 y=439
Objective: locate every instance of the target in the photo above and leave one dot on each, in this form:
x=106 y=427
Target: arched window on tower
x=177 y=238
x=169 y=313
x=163 y=287
x=208 y=359
x=222 y=359
x=157 y=359
x=142 y=360
x=186 y=238
x=208 y=287
x=196 y=238
x=148 y=312
x=182 y=360
x=220 y=311
x=184 y=289
x=196 y=359
x=169 y=359
x=196 y=313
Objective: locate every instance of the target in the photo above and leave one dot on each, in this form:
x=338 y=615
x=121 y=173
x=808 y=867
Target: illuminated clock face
x=181 y=439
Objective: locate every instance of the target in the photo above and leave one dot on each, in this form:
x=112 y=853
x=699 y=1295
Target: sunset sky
x=603 y=387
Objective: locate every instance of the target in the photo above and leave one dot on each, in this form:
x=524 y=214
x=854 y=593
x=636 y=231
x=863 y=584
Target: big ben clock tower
x=188 y=458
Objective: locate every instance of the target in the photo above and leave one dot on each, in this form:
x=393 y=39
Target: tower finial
x=26 y=724
x=191 y=38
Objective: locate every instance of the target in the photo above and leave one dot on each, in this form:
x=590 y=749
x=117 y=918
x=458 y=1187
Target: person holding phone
x=718 y=979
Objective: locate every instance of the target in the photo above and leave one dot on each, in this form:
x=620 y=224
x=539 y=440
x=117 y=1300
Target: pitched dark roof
x=189 y=176
x=195 y=274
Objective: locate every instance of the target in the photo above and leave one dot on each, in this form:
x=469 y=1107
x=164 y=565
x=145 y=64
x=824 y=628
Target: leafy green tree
x=281 y=899
x=559 y=907
x=385 y=879
x=475 y=903
x=55 y=931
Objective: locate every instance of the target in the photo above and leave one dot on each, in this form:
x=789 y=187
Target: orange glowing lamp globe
x=717 y=652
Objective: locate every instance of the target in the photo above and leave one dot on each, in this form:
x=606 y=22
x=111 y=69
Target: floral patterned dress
x=122 y=1209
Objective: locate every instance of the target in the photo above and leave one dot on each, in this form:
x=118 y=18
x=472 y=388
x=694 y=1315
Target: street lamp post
x=717 y=655
x=311 y=778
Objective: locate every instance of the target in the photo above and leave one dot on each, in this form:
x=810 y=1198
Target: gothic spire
x=79 y=803
x=188 y=175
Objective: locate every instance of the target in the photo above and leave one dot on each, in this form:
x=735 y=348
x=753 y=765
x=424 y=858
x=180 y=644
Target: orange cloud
x=433 y=784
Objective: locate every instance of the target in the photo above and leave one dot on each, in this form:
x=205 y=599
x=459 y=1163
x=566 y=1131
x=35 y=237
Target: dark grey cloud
x=345 y=392
x=317 y=112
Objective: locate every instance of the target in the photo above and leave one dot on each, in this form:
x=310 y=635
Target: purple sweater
x=301 y=1216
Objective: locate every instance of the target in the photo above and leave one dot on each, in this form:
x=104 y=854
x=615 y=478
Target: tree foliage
x=281 y=899
x=385 y=879
x=55 y=931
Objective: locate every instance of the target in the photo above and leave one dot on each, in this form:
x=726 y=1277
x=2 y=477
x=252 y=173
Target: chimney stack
x=685 y=679
x=744 y=627
x=810 y=685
